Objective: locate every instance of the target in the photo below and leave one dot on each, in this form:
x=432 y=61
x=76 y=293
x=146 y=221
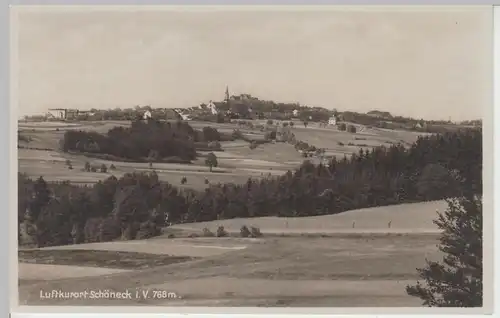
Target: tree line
x=138 y=204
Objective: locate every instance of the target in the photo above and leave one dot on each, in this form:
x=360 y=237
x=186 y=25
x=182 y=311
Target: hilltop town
x=247 y=107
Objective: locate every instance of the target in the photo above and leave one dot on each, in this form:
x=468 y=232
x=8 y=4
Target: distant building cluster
x=234 y=107
x=66 y=113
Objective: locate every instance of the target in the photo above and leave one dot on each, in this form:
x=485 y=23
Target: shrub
x=342 y=127
x=206 y=181
x=104 y=169
x=93 y=169
x=215 y=145
x=351 y=129
x=207 y=232
x=245 y=232
x=112 y=167
x=255 y=231
x=87 y=167
x=171 y=236
x=193 y=235
x=269 y=121
x=340 y=143
x=221 y=232
x=68 y=162
x=211 y=134
x=270 y=135
x=70 y=167
x=184 y=180
x=252 y=145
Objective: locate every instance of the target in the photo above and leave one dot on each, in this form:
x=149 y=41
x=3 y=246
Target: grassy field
x=30 y=273
x=403 y=218
x=357 y=258
x=339 y=143
x=40 y=156
x=99 y=258
x=341 y=269
x=272 y=272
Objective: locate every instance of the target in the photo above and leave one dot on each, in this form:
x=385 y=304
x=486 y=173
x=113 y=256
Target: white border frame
x=11 y=228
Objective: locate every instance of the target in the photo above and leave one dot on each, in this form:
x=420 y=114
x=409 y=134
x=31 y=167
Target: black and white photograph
x=225 y=156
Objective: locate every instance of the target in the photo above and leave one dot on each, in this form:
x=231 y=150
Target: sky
x=425 y=63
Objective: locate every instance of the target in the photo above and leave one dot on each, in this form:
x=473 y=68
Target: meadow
x=236 y=163
x=288 y=266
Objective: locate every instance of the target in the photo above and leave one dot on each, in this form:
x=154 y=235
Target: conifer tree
x=457 y=281
x=41 y=197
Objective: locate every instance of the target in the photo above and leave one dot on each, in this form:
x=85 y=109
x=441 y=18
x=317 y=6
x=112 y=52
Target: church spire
x=226 y=97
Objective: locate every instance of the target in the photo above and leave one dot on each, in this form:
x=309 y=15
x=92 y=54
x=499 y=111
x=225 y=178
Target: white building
x=56 y=113
x=185 y=117
x=147 y=115
x=181 y=113
x=213 y=108
x=332 y=120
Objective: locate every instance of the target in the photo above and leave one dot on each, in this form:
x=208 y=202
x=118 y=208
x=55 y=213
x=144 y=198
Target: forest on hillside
x=136 y=205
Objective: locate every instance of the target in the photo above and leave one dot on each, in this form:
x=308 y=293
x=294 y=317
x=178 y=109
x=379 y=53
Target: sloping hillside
x=404 y=218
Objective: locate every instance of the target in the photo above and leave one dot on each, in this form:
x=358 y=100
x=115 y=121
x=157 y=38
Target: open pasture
x=337 y=142
x=341 y=270
x=52 y=166
x=235 y=164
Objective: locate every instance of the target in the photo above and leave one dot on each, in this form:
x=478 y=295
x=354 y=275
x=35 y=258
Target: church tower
x=226 y=95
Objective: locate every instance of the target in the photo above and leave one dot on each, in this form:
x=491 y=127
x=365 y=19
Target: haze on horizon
x=432 y=64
